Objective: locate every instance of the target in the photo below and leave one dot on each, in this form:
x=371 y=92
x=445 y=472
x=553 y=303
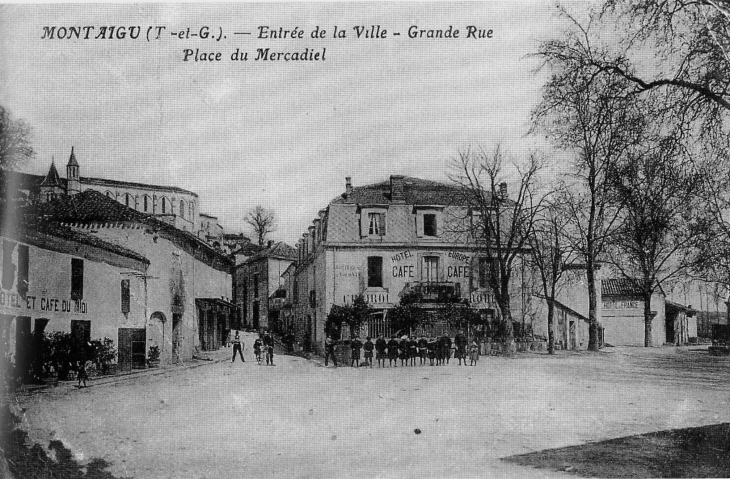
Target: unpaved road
x=301 y=420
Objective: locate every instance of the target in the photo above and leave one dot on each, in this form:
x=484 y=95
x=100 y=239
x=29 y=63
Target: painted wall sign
x=54 y=305
x=457 y=271
x=482 y=297
x=347 y=270
x=370 y=298
x=401 y=256
x=404 y=271
x=460 y=256
x=620 y=305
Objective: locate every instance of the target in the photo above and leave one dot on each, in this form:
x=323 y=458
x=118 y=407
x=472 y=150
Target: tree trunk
x=592 y=306
x=551 y=332
x=509 y=333
x=648 y=317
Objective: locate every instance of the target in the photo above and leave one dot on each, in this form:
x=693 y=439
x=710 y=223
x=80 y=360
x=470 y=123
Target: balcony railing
x=434 y=292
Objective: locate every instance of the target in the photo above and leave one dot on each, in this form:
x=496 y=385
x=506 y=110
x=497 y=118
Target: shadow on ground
x=692 y=452
x=31 y=461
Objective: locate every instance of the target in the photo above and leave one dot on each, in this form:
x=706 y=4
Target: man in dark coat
x=368 y=347
x=329 y=346
x=446 y=344
x=461 y=343
x=355 y=347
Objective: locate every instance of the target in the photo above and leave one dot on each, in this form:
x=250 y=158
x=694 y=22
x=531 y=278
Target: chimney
x=503 y=190
x=397 y=189
x=348 y=187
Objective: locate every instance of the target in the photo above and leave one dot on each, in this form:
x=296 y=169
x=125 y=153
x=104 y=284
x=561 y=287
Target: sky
x=280 y=134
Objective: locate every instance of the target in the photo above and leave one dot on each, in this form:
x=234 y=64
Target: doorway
x=176 y=337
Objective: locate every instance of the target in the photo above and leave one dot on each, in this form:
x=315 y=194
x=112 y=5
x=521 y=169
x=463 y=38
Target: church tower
x=51 y=187
x=72 y=175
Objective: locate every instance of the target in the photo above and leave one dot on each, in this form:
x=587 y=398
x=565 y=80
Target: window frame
x=375 y=273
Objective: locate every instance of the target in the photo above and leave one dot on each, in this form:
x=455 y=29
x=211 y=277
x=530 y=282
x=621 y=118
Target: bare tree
x=690 y=45
x=15 y=145
x=499 y=224
x=262 y=221
x=658 y=187
x=589 y=116
x=551 y=255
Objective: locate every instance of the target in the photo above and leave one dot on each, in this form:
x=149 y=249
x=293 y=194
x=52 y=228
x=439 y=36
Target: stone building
x=385 y=240
x=58 y=279
x=175 y=206
x=185 y=291
x=622 y=313
x=258 y=284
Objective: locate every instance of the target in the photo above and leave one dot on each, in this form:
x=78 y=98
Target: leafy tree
x=354 y=315
x=262 y=221
x=15 y=145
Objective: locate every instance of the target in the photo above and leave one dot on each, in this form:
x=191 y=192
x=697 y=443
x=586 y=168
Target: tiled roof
x=31 y=182
x=92 y=206
x=417 y=192
x=35 y=230
x=279 y=250
x=52 y=178
x=620 y=287
x=248 y=249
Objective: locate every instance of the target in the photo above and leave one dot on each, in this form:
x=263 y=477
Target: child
x=393 y=352
x=81 y=372
x=473 y=353
x=432 y=350
x=368 y=347
x=380 y=347
x=257 y=350
x=422 y=349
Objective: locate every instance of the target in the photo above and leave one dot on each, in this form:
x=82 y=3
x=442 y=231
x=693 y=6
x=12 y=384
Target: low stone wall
x=497 y=347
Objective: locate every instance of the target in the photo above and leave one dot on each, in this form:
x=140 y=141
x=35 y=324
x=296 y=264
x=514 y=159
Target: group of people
x=409 y=350
x=262 y=347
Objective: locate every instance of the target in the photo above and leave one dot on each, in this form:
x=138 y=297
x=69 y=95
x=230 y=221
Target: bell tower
x=72 y=175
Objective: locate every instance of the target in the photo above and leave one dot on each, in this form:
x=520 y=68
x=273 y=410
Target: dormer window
x=429 y=224
x=376 y=224
x=373 y=222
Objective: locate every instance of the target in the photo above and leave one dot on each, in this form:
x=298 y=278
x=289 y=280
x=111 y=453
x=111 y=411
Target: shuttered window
x=77 y=279
x=125 y=296
x=23 y=266
x=375 y=272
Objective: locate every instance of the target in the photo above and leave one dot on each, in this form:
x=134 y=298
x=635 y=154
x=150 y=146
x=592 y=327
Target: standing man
x=355 y=347
x=269 y=345
x=461 y=343
x=237 y=347
x=329 y=345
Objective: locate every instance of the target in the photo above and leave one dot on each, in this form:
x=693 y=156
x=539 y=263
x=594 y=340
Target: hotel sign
x=46 y=304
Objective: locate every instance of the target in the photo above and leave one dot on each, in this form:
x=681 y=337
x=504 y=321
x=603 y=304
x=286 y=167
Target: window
x=146 y=203
x=164 y=206
x=485 y=269
x=81 y=330
x=376 y=224
x=23 y=264
x=77 y=279
x=256 y=286
x=8 y=267
x=125 y=296
x=375 y=272
x=295 y=292
x=127 y=199
x=192 y=210
x=182 y=209
x=429 y=272
x=429 y=224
